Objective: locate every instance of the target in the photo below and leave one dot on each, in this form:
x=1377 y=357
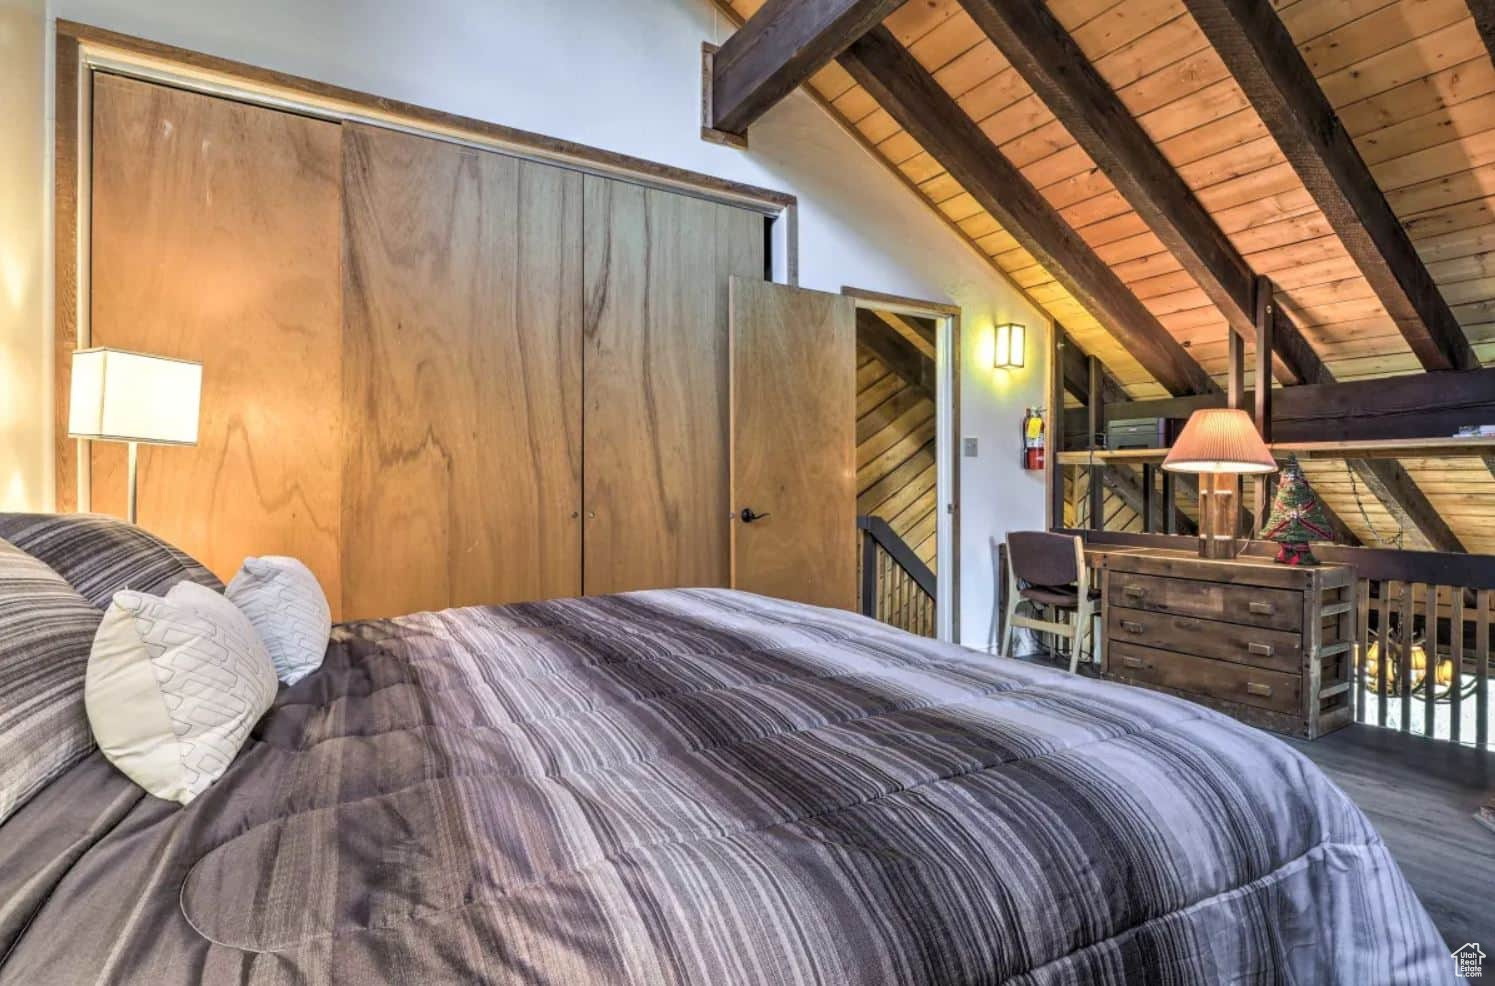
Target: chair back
x=1041 y=558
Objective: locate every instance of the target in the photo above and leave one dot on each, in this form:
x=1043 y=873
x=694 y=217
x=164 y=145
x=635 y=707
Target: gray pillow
x=289 y=611
x=100 y=555
x=46 y=629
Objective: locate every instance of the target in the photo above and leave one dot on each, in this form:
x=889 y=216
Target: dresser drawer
x=1280 y=609
x=1260 y=647
x=1204 y=676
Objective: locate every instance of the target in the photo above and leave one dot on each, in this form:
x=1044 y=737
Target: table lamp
x=1220 y=444
x=119 y=396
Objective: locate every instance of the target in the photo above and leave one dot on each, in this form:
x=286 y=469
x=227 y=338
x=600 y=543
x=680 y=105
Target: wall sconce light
x=1010 y=350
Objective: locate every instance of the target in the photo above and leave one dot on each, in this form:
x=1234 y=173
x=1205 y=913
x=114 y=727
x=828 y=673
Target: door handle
x=1134 y=662
x=1259 y=649
x=1262 y=609
x=1135 y=591
x=748 y=516
x=1257 y=688
x=1131 y=626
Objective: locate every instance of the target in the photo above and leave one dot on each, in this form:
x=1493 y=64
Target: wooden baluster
x=1383 y=649
x=885 y=606
x=1456 y=658
x=1430 y=668
x=1362 y=645
x=1482 y=669
x=1405 y=656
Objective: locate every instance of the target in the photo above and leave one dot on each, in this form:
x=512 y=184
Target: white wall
x=25 y=417
x=625 y=76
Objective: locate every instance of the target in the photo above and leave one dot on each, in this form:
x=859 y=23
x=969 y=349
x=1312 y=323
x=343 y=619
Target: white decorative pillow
x=174 y=684
x=284 y=601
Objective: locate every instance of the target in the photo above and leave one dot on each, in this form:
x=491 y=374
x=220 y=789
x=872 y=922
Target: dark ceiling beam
x=1484 y=20
x=777 y=51
x=1410 y=507
x=907 y=91
x=1414 y=405
x=1261 y=55
x=1047 y=58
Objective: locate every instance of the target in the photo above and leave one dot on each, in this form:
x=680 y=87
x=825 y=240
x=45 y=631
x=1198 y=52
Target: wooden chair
x=1049 y=570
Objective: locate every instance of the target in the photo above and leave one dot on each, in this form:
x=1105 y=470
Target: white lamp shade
x=131 y=397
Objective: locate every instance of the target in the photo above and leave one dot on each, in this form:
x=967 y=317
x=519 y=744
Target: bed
x=704 y=786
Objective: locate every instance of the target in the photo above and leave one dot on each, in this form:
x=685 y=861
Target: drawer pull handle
x=1134 y=662
x=1131 y=626
x=1186 y=623
x=1135 y=591
x=1264 y=609
x=1260 y=649
x=1257 y=688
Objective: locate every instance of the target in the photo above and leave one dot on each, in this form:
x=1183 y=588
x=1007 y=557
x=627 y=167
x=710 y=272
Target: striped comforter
x=702 y=786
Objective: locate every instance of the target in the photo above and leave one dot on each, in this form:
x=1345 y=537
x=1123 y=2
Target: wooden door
x=216 y=236
x=794 y=443
x=657 y=267
x=462 y=391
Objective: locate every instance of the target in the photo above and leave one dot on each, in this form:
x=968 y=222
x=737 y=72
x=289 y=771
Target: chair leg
x=1008 y=628
x=1076 y=634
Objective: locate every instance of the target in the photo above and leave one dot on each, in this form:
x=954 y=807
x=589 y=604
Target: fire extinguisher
x=1033 y=438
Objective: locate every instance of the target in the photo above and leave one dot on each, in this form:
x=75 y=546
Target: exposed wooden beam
x=1484 y=20
x=1048 y=59
x=778 y=49
x=918 y=103
x=1261 y=55
x=1390 y=484
x=1417 y=405
x=907 y=363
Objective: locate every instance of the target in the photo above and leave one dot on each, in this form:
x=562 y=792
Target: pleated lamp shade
x=1220 y=440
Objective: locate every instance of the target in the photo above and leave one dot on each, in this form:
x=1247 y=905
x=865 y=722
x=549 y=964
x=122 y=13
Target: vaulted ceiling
x=1412 y=85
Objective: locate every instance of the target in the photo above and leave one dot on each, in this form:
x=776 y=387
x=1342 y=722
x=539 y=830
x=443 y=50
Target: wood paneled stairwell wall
x=896 y=468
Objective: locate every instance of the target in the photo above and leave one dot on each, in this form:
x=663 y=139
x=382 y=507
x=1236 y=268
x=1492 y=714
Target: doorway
x=907 y=470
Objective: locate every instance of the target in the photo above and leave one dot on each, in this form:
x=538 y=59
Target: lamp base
x=1219 y=547
x=1219 y=507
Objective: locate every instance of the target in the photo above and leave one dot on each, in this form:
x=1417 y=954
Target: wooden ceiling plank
x=1260 y=53
x=1056 y=68
x=937 y=122
x=779 y=48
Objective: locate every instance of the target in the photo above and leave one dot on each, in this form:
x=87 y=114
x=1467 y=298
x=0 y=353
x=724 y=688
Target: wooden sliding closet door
x=462 y=380
x=216 y=236
x=657 y=270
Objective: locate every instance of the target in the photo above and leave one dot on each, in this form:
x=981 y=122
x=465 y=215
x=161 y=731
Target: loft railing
x=1425 y=623
x=896 y=587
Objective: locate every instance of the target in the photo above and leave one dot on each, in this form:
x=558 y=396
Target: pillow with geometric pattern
x=289 y=611
x=173 y=687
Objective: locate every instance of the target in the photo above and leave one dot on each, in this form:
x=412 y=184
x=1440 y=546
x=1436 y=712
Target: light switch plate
x=968 y=448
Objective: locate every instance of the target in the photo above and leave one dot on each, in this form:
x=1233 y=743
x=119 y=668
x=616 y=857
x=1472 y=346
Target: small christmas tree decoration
x=1297 y=518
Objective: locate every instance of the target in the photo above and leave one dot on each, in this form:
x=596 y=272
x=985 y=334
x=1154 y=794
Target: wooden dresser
x=1269 y=644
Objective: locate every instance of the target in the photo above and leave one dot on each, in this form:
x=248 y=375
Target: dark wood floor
x=1421 y=795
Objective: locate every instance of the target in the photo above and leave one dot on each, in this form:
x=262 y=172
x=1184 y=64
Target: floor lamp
x=119 y=396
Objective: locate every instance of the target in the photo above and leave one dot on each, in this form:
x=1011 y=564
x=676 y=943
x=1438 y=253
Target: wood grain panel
x=905 y=493
x=463 y=374
x=794 y=443
x=655 y=493
x=215 y=237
